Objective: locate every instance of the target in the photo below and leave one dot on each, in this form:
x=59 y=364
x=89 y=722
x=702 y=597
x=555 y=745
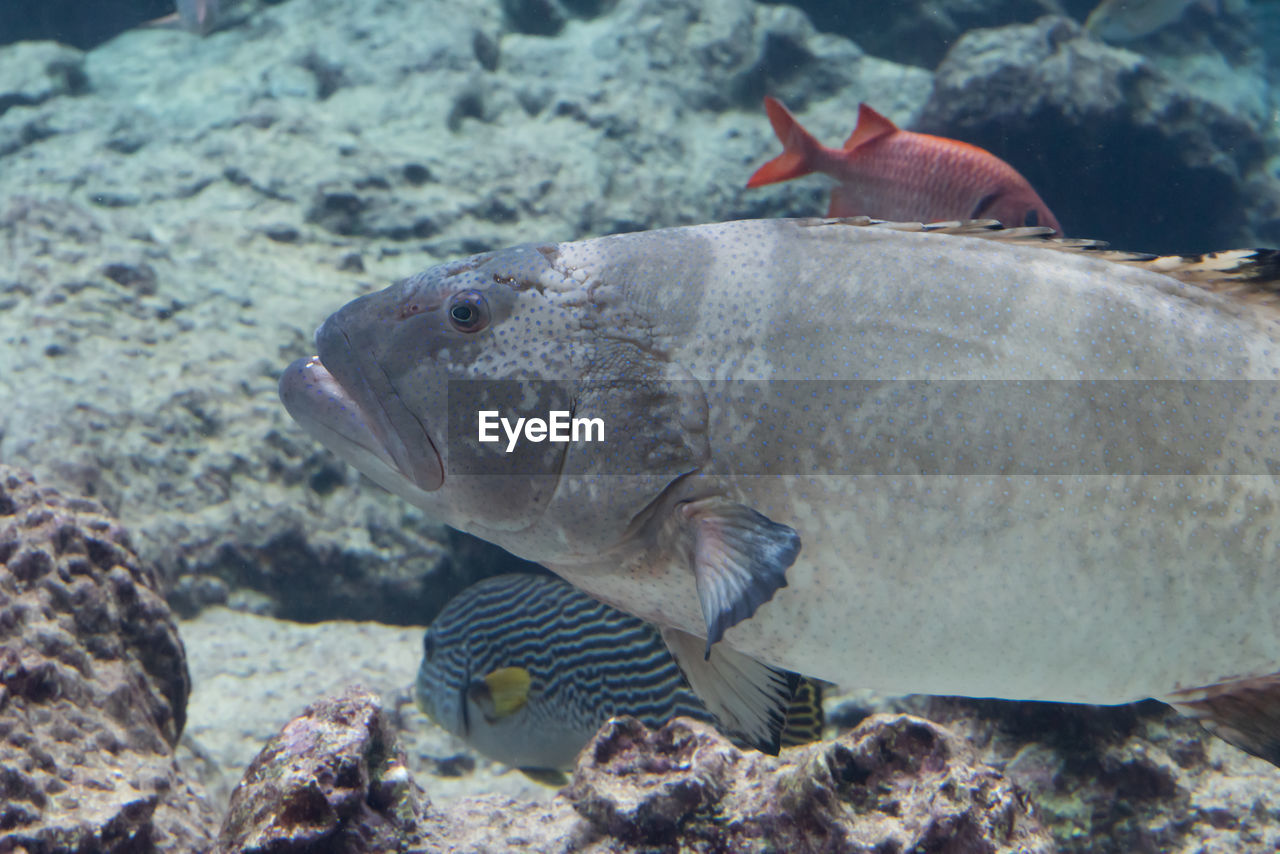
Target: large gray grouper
x=930 y=460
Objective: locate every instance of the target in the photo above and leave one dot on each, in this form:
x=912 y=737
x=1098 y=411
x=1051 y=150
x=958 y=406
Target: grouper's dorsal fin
x=1243 y=273
x=1251 y=270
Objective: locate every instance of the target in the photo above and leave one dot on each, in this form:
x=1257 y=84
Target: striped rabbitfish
x=525 y=668
x=912 y=459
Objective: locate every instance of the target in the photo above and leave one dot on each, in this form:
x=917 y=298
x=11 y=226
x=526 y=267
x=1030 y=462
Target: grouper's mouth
x=361 y=419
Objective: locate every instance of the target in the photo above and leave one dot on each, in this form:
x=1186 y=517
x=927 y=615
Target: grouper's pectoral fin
x=740 y=559
x=748 y=698
x=1244 y=712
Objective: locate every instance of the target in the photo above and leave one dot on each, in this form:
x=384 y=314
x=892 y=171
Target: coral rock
x=895 y=783
x=1119 y=148
x=332 y=781
x=93 y=686
x=643 y=786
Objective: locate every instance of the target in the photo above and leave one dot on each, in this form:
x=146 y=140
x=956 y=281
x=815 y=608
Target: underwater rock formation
x=1121 y=150
x=93 y=686
x=333 y=781
x=894 y=783
x=120 y=343
x=548 y=17
x=916 y=32
x=251 y=675
x=1118 y=779
x=34 y=72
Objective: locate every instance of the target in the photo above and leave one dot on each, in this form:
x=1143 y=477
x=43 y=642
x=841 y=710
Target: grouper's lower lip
x=317 y=400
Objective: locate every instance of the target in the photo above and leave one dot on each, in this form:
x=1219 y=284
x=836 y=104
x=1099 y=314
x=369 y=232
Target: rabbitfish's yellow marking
x=509 y=689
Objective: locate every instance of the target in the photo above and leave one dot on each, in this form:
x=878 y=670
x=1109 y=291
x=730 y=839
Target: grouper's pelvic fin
x=1244 y=712
x=1244 y=273
x=750 y=700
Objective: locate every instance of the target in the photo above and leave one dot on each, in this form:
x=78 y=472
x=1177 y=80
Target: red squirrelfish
x=895 y=174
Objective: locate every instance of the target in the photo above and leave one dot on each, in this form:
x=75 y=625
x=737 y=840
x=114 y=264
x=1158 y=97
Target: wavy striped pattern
x=588 y=662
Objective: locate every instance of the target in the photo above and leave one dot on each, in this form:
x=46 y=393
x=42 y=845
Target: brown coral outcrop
x=93 y=686
x=895 y=783
x=333 y=782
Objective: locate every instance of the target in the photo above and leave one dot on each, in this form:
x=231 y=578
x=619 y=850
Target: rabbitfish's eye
x=429 y=646
x=468 y=312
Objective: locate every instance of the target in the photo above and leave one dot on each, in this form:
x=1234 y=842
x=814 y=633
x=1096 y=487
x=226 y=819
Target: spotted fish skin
x=1099 y=585
x=587 y=662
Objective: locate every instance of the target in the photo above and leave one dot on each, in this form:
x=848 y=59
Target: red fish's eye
x=468 y=312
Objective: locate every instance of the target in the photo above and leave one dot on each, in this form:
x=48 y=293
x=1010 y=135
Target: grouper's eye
x=468 y=312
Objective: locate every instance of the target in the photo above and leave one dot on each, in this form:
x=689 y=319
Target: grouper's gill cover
x=904 y=459
x=377 y=394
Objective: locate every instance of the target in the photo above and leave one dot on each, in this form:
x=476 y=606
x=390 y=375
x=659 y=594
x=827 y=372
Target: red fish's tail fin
x=800 y=151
